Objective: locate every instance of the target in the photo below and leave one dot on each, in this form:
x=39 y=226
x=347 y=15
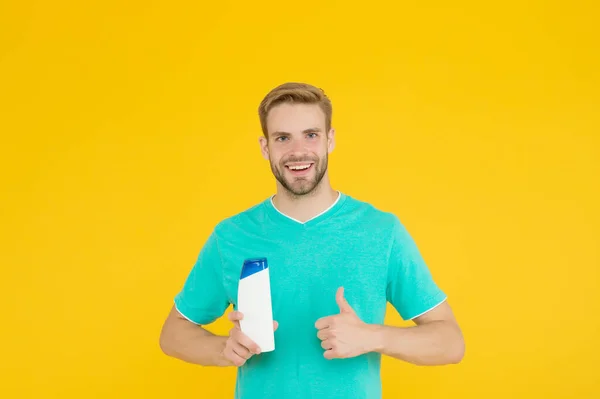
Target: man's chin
x=303 y=188
x=297 y=186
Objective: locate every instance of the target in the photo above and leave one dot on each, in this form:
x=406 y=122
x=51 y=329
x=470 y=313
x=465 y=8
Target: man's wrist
x=375 y=338
x=220 y=358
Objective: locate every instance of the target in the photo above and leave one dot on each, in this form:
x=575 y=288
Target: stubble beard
x=301 y=186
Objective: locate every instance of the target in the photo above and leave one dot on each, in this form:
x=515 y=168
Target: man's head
x=296 y=125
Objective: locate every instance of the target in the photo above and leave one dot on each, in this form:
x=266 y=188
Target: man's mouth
x=298 y=168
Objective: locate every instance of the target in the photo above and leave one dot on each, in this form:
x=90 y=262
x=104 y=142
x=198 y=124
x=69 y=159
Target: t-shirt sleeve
x=203 y=298
x=411 y=288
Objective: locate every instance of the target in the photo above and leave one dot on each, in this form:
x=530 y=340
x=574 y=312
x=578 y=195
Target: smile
x=299 y=168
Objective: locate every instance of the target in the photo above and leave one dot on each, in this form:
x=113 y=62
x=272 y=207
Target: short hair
x=294 y=93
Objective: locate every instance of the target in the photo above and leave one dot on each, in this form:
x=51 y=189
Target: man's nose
x=298 y=146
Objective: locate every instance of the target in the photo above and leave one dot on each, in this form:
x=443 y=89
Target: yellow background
x=129 y=129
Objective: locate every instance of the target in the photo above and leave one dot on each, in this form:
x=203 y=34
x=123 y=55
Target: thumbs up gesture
x=344 y=335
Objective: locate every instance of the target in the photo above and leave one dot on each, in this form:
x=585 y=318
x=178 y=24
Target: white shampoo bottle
x=254 y=301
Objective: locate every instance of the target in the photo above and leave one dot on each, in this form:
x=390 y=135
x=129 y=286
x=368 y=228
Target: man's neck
x=306 y=207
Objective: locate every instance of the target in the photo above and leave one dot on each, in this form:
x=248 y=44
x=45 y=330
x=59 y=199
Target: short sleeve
x=203 y=298
x=411 y=288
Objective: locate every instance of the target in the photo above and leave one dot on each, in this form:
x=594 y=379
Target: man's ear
x=330 y=140
x=264 y=147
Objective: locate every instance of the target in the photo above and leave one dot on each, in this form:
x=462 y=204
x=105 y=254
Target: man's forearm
x=194 y=344
x=435 y=343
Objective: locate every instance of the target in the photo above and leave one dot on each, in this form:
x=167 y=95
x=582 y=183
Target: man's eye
x=312 y=135
x=280 y=138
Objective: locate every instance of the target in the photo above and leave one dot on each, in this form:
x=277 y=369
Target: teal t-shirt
x=352 y=244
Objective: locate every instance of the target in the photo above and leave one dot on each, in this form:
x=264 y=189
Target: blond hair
x=294 y=93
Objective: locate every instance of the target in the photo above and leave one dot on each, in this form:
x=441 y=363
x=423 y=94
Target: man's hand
x=239 y=348
x=344 y=335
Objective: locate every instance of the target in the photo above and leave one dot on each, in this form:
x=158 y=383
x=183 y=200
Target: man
x=334 y=263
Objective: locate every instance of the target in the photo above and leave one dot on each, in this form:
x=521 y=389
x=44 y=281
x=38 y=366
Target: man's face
x=298 y=146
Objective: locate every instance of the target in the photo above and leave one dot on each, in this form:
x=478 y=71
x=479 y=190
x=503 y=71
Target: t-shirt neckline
x=281 y=217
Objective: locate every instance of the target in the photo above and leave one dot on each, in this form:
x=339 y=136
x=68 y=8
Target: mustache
x=302 y=159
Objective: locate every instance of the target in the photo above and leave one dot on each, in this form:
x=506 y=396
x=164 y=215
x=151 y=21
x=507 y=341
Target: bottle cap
x=252 y=266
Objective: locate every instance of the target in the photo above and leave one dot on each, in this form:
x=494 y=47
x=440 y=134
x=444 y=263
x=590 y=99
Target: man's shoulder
x=252 y=215
x=371 y=213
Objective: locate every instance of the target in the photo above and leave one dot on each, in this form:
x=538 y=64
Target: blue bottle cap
x=252 y=266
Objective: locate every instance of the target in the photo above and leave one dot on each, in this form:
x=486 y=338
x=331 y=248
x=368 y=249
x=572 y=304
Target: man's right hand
x=239 y=348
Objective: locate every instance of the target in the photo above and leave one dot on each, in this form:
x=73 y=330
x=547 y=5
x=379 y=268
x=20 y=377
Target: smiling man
x=335 y=262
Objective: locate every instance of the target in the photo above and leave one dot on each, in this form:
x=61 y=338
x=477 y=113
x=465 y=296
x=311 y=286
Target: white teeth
x=299 y=167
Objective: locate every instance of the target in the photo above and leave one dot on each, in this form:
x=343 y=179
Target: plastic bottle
x=254 y=301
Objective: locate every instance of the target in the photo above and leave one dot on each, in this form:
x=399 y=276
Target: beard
x=300 y=186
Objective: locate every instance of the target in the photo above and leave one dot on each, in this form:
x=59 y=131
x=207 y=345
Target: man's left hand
x=344 y=335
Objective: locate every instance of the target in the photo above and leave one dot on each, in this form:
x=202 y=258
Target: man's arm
x=184 y=340
x=436 y=339
x=187 y=341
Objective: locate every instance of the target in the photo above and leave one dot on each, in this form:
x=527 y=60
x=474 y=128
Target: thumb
x=342 y=302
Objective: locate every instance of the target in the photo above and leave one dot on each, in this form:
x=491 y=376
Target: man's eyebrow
x=309 y=130
x=312 y=130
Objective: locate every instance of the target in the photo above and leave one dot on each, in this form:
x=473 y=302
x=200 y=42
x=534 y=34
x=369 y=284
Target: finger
x=342 y=302
x=241 y=351
x=324 y=334
x=234 y=358
x=246 y=342
x=327 y=344
x=235 y=316
x=323 y=322
x=330 y=354
x=275 y=325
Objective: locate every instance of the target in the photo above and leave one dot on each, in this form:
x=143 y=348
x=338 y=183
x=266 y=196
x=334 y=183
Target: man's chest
x=306 y=271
